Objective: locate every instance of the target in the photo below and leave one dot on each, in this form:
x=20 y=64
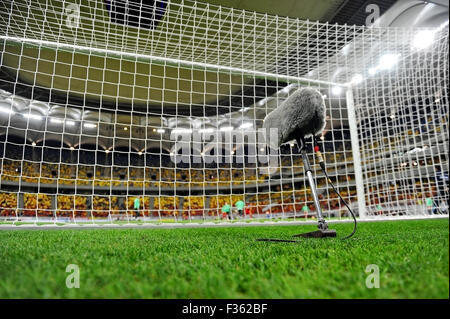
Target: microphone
x=302 y=114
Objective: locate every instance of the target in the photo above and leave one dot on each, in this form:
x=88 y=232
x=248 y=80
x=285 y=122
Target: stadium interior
x=85 y=132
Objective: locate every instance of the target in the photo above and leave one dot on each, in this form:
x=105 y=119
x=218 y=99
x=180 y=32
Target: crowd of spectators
x=170 y=176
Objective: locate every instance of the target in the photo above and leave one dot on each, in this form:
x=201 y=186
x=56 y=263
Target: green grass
x=413 y=258
x=142 y=221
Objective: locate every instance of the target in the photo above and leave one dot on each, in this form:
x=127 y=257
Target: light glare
x=357 y=78
x=33 y=116
x=423 y=39
x=246 y=125
x=182 y=130
x=388 y=60
x=55 y=120
x=5 y=110
x=336 y=90
x=372 y=71
x=206 y=130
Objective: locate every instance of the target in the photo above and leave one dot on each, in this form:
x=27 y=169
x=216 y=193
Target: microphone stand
x=323 y=230
x=321 y=223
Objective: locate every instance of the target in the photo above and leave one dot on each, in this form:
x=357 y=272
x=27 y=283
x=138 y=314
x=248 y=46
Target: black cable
x=345 y=203
x=322 y=166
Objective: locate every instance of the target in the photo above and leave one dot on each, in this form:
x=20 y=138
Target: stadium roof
x=247 y=100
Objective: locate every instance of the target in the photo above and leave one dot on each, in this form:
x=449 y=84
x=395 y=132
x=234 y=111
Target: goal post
x=361 y=197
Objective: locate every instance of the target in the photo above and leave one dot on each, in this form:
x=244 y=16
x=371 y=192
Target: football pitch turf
x=228 y=262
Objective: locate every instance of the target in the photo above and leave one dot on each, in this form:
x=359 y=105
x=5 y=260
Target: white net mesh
x=403 y=128
x=94 y=97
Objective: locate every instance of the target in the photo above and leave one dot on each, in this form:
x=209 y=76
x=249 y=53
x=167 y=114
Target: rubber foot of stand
x=318 y=234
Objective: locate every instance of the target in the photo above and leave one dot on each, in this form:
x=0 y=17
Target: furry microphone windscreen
x=302 y=114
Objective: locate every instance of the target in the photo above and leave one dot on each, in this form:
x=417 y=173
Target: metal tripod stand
x=323 y=230
x=321 y=223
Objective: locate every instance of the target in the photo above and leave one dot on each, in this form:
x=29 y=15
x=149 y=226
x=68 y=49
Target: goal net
x=118 y=110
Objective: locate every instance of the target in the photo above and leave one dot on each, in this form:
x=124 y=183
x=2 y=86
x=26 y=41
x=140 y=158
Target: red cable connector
x=319 y=156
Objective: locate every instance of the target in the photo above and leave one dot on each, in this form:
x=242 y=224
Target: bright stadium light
x=388 y=60
x=61 y=121
x=206 y=130
x=336 y=90
x=226 y=128
x=6 y=110
x=32 y=116
x=373 y=71
x=182 y=130
x=423 y=39
x=33 y=143
x=160 y=130
x=246 y=125
x=357 y=78
x=89 y=125
x=56 y=120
